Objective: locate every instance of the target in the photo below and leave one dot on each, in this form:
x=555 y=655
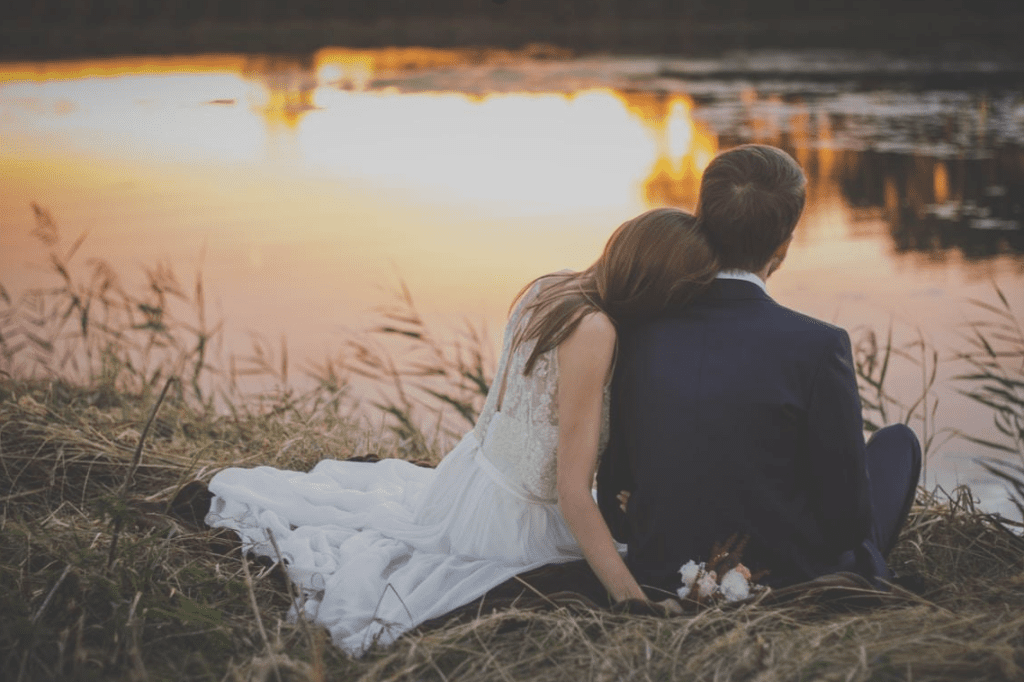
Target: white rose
x=735 y=586
x=689 y=572
x=707 y=585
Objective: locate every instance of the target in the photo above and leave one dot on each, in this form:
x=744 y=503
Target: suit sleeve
x=836 y=449
x=613 y=473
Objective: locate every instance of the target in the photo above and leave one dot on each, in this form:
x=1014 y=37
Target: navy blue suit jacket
x=736 y=415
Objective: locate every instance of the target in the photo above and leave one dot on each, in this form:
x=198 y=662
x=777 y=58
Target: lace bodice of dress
x=521 y=443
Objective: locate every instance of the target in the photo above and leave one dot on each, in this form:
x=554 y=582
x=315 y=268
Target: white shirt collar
x=743 y=275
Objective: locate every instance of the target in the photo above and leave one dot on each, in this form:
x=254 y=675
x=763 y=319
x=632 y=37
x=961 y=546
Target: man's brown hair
x=751 y=198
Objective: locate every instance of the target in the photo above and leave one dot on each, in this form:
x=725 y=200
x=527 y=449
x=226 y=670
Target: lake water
x=304 y=188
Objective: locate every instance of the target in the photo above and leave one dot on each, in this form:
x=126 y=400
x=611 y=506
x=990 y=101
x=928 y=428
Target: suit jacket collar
x=743 y=275
x=736 y=289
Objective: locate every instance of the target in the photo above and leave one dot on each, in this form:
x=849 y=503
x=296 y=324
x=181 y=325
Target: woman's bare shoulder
x=594 y=329
x=597 y=322
x=586 y=357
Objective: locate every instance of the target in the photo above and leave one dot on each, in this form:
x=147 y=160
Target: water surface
x=304 y=186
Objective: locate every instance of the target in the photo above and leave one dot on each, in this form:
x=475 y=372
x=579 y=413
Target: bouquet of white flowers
x=703 y=584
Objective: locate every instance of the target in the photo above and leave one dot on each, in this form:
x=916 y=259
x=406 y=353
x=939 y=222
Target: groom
x=739 y=416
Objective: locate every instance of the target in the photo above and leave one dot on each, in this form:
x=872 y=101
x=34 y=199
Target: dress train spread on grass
x=378 y=548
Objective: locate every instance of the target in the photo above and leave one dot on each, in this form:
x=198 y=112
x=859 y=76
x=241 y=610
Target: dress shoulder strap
x=516 y=320
x=495 y=397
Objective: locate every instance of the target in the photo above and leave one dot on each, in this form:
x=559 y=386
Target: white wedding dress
x=378 y=548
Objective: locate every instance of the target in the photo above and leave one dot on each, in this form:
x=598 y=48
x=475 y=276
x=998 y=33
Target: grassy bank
x=175 y=603
x=112 y=400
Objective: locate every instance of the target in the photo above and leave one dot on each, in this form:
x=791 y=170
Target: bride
x=378 y=548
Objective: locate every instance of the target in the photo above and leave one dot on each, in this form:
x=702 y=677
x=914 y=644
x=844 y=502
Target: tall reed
x=90 y=329
x=416 y=371
x=873 y=358
x=426 y=386
x=995 y=379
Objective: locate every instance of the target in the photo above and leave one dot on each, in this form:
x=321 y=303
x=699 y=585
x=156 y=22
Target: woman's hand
x=671 y=606
x=665 y=608
x=623 y=498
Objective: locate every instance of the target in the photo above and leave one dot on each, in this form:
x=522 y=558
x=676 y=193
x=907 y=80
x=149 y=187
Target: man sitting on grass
x=738 y=417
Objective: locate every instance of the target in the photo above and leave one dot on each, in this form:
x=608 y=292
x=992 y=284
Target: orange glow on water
x=353 y=65
x=349 y=69
x=121 y=66
x=940 y=183
x=683 y=146
x=339 y=61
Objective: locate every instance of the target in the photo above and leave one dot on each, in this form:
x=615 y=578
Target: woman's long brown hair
x=654 y=263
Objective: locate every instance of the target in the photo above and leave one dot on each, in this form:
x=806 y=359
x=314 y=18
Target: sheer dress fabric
x=378 y=548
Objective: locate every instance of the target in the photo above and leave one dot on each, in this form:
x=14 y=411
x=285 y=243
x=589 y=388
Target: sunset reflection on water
x=301 y=186
x=429 y=165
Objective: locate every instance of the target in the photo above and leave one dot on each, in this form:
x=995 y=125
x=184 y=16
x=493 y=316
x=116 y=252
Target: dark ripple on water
x=941 y=108
x=885 y=111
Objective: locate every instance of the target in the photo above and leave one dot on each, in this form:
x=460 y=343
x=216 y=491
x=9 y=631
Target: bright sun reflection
x=513 y=154
x=684 y=146
x=679 y=127
x=178 y=117
x=345 y=69
x=520 y=153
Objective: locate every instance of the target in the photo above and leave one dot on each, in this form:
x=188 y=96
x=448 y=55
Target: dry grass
x=173 y=603
x=178 y=604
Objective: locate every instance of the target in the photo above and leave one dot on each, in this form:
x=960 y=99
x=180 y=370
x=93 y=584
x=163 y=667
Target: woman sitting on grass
x=378 y=548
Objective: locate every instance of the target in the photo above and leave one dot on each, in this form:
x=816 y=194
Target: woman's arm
x=584 y=361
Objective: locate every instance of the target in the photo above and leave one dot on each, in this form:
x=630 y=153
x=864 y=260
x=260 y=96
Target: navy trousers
x=893 y=461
